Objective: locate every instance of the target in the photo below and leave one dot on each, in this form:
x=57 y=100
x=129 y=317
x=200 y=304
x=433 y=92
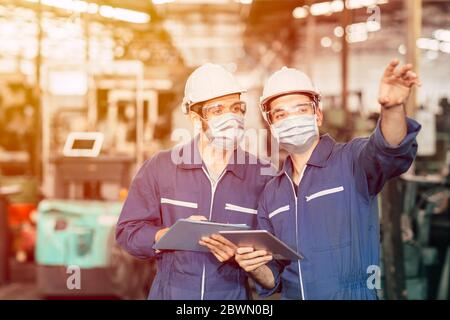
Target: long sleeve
x=140 y=218
x=375 y=161
x=275 y=266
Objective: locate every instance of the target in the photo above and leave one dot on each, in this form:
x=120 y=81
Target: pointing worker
x=208 y=183
x=324 y=201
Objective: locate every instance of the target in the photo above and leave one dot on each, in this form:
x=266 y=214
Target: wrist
x=397 y=109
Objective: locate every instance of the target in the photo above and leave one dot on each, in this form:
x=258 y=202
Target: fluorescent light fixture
x=327 y=8
x=321 y=8
x=357 y=4
x=442 y=35
x=444 y=47
x=428 y=44
x=92 y=8
x=124 y=14
x=357 y=32
x=161 y=1
x=337 y=5
x=300 y=12
x=357 y=37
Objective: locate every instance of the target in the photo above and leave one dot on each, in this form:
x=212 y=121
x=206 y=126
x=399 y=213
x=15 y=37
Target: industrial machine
x=86 y=177
x=79 y=235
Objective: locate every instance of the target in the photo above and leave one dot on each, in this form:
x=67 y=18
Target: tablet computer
x=185 y=234
x=262 y=240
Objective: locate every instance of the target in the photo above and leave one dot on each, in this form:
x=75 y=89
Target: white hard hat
x=207 y=82
x=287 y=81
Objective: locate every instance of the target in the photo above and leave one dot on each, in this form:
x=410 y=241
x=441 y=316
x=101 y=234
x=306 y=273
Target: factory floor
x=22 y=286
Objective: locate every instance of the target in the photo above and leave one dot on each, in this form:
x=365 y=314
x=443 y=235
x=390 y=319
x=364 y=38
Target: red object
x=20 y=213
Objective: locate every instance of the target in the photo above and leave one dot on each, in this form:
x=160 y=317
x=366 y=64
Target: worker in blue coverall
x=209 y=178
x=323 y=203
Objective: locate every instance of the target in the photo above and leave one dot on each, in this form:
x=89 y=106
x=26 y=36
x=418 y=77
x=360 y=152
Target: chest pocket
x=328 y=213
x=178 y=204
x=283 y=223
x=240 y=214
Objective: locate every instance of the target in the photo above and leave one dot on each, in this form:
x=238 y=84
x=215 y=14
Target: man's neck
x=299 y=161
x=215 y=159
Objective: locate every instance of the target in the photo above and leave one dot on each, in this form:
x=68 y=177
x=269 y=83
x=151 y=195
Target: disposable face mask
x=225 y=131
x=296 y=134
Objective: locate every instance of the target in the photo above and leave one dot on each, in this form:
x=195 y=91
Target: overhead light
x=92 y=8
x=124 y=14
x=444 y=47
x=428 y=44
x=357 y=37
x=244 y=1
x=330 y=7
x=337 y=5
x=357 y=32
x=300 y=12
x=339 y=32
x=327 y=8
x=75 y=5
x=326 y=42
x=161 y=1
x=357 y=4
x=442 y=35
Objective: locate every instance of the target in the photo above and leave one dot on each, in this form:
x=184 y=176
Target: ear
x=194 y=116
x=319 y=114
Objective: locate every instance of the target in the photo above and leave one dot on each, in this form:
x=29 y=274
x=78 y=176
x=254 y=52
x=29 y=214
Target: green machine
x=76 y=253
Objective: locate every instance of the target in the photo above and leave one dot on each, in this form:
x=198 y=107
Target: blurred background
x=90 y=89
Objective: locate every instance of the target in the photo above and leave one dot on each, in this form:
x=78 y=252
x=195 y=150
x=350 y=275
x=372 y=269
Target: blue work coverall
x=332 y=216
x=171 y=186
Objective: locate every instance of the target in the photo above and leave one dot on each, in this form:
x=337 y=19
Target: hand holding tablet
x=262 y=240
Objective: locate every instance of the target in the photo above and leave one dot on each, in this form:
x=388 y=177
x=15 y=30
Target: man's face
x=292 y=105
x=216 y=107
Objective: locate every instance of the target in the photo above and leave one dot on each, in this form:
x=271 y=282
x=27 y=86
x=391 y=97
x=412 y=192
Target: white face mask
x=225 y=131
x=296 y=134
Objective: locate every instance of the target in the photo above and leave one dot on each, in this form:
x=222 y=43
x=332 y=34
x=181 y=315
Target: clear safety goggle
x=282 y=112
x=218 y=109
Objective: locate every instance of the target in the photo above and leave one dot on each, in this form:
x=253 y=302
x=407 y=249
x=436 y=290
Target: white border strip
x=232 y=207
x=69 y=150
x=279 y=210
x=324 y=193
x=180 y=203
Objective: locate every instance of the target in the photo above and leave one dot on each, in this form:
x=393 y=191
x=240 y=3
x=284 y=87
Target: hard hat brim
x=268 y=99
x=193 y=103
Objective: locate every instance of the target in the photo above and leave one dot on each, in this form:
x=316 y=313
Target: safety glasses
x=218 y=109
x=282 y=112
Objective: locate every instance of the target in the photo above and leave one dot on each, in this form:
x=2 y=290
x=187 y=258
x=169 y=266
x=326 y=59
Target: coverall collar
x=318 y=158
x=197 y=163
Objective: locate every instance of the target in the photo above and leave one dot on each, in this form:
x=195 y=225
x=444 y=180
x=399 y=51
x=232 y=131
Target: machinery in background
x=79 y=236
x=86 y=177
x=425 y=219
